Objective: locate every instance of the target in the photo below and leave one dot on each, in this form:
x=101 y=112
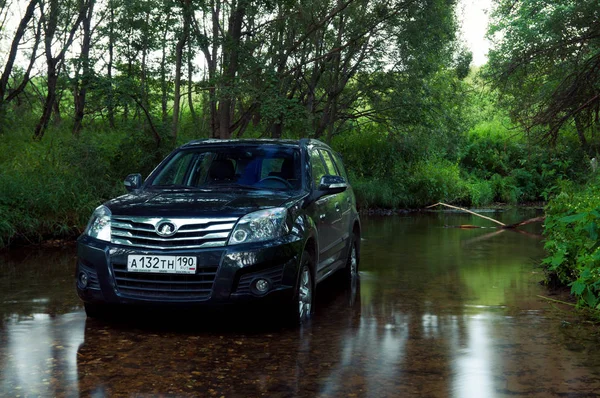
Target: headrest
x=221 y=169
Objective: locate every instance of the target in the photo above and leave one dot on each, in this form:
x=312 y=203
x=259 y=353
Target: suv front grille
x=192 y=233
x=173 y=286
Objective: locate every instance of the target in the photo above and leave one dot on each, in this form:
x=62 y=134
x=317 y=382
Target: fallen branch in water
x=468 y=211
x=502 y=225
x=530 y=221
x=556 y=301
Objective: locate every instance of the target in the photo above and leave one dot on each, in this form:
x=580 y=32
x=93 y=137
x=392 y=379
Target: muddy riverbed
x=438 y=312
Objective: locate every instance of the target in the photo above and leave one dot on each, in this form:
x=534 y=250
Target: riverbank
x=491 y=208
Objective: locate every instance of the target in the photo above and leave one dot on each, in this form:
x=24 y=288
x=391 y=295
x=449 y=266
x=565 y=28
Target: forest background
x=93 y=90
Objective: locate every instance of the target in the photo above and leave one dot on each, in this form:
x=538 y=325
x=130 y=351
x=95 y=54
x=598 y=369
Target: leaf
x=590 y=298
x=592 y=231
x=577 y=288
x=574 y=217
x=557 y=259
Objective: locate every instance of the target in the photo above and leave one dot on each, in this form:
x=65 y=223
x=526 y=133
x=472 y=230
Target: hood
x=196 y=203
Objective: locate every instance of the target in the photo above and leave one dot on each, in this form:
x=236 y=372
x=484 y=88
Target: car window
x=204 y=167
x=340 y=165
x=176 y=174
x=317 y=166
x=199 y=171
x=332 y=170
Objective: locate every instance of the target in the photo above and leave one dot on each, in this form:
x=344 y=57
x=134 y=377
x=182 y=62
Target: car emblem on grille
x=166 y=229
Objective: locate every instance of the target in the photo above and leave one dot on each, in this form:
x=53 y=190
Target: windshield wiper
x=174 y=186
x=231 y=185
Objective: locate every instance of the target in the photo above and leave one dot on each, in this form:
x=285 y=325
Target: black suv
x=222 y=221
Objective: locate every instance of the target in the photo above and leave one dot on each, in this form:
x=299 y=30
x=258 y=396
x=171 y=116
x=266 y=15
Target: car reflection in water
x=39 y=355
x=236 y=353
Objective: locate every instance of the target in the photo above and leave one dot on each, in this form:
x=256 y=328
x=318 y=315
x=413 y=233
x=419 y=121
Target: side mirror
x=330 y=185
x=133 y=182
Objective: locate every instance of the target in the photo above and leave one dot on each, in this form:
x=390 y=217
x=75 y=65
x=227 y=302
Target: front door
x=324 y=214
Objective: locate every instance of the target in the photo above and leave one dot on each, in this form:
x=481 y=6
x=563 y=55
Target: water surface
x=438 y=312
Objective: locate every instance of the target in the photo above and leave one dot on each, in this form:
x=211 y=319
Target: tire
x=95 y=310
x=351 y=269
x=300 y=310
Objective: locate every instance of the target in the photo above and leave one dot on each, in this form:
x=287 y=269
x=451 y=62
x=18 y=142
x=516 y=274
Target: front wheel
x=301 y=308
x=351 y=270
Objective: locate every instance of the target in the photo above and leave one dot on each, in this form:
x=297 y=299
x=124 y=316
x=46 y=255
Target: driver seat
x=287 y=170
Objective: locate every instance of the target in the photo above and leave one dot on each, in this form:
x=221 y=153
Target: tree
x=24 y=24
x=545 y=62
x=184 y=37
x=70 y=18
x=296 y=63
x=81 y=87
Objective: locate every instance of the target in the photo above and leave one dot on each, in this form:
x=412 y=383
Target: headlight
x=99 y=225
x=260 y=226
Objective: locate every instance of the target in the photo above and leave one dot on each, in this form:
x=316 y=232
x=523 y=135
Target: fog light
x=83 y=279
x=261 y=285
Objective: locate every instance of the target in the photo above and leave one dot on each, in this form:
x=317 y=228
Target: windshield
x=249 y=167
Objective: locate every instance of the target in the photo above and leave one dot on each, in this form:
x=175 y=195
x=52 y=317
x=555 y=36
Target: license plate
x=162 y=264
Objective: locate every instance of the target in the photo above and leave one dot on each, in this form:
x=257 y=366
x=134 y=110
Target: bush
x=379 y=194
x=48 y=189
x=435 y=180
x=480 y=192
x=571 y=229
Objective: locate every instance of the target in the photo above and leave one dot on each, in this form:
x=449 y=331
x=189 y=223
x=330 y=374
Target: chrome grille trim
x=220 y=235
x=192 y=233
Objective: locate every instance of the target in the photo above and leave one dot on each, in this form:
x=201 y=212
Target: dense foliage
x=238 y=67
x=546 y=62
x=572 y=230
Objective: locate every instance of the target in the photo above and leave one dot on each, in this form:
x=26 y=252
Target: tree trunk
x=42 y=125
x=190 y=93
x=163 y=78
x=80 y=92
x=15 y=46
x=111 y=45
x=230 y=67
x=178 y=61
x=54 y=62
x=177 y=94
x=129 y=74
x=10 y=62
x=143 y=66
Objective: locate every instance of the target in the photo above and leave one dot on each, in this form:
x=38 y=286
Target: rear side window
x=329 y=162
x=317 y=167
x=340 y=165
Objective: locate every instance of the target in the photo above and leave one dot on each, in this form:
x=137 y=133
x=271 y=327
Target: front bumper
x=224 y=275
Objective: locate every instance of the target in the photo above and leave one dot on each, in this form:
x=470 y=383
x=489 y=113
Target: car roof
x=255 y=141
